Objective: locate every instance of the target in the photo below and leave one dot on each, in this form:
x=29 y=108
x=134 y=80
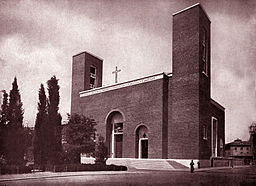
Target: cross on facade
x=115 y=72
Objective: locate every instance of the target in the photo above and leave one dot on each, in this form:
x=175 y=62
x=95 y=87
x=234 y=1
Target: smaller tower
x=86 y=74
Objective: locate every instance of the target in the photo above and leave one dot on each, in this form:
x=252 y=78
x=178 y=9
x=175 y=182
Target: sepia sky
x=39 y=38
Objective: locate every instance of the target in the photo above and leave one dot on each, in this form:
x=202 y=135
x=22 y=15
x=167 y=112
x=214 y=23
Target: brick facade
x=140 y=105
x=175 y=109
x=81 y=74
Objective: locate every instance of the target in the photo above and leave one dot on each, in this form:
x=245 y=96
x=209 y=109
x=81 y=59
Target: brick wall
x=184 y=115
x=219 y=114
x=81 y=76
x=140 y=104
x=204 y=88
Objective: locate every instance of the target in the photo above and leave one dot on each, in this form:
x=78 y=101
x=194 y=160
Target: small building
x=239 y=149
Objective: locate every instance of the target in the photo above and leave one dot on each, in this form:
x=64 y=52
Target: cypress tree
x=54 y=121
x=40 y=139
x=3 y=123
x=14 y=147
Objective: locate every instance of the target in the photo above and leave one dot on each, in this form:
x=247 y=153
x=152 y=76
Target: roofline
x=190 y=7
x=94 y=91
x=215 y=103
x=233 y=143
x=85 y=52
x=237 y=144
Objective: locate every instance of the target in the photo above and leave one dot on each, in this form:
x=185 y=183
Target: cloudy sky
x=39 y=38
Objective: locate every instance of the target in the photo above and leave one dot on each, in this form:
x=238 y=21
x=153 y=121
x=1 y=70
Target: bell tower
x=86 y=75
x=190 y=81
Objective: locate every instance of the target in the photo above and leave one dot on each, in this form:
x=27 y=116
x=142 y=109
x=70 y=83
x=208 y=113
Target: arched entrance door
x=142 y=142
x=115 y=134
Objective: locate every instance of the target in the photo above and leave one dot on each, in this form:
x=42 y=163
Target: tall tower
x=190 y=81
x=86 y=74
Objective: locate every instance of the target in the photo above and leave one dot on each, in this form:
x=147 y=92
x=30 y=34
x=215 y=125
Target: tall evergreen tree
x=14 y=147
x=54 y=121
x=40 y=126
x=3 y=122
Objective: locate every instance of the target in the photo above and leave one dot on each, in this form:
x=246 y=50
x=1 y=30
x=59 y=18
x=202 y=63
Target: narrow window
x=214 y=137
x=204 y=54
x=92 y=77
x=204 y=132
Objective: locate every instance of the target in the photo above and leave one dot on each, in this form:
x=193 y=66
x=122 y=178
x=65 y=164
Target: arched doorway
x=114 y=136
x=142 y=142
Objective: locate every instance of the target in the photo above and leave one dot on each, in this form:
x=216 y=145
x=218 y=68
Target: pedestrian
x=192 y=166
x=198 y=165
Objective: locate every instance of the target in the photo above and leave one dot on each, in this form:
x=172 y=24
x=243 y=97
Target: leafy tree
x=80 y=137
x=101 y=151
x=28 y=144
x=3 y=123
x=40 y=139
x=14 y=137
x=53 y=127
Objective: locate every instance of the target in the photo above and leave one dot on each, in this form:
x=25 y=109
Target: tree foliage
x=47 y=141
x=14 y=140
x=41 y=120
x=15 y=113
x=4 y=109
x=28 y=144
x=101 y=151
x=3 y=123
x=80 y=136
x=54 y=121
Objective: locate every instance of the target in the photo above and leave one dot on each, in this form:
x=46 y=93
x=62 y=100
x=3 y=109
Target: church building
x=162 y=116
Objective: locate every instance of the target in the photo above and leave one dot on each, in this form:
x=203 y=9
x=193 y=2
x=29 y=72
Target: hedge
x=13 y=169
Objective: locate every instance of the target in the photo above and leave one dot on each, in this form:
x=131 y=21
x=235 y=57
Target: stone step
x=176 y=165
x=146 y=164
x=149 y=164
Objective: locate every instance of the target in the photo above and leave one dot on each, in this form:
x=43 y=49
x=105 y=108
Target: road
x=235 y=176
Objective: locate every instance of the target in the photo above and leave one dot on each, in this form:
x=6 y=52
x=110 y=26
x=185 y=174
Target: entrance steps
x=176 y=165
x=147 y=164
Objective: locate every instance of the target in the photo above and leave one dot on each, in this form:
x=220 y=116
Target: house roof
x=239 y=142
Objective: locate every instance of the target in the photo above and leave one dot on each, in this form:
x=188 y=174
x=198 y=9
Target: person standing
x=192 y=166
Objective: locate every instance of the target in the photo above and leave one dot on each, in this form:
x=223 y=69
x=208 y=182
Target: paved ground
x=227 y=176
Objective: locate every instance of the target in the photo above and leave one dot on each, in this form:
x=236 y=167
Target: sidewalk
x=11 y=177
x=37 y=175
x=219 y=168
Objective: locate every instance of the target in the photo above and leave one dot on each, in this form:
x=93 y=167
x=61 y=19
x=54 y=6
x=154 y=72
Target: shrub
x=87 y=167
x=12 y=169
x=101 y=151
